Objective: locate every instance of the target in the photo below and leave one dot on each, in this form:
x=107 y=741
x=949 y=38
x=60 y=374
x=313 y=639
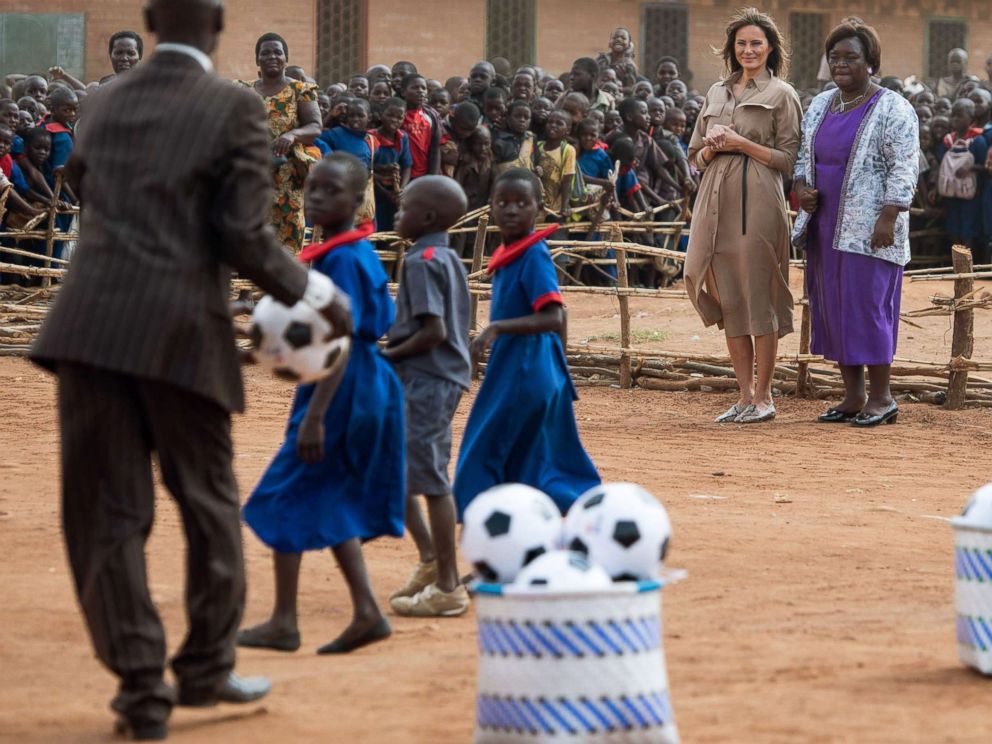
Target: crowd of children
x=564 y=129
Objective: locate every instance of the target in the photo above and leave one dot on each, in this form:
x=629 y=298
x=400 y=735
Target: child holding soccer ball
x=338 y=479
x=522 y=427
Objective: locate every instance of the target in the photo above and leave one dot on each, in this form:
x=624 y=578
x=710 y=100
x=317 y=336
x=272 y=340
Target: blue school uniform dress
x=358 y=489
x=352 y=141
x=388 y=153
x=522 y=426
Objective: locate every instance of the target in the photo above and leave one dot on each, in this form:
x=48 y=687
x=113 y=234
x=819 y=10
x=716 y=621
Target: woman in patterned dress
x=294 y=125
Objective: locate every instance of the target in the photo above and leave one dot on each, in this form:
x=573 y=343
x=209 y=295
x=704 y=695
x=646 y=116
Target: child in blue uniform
x=338 y=480
x=522 y=427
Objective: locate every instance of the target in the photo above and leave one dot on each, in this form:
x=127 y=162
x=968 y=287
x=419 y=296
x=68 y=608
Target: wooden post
x=626 y=378
x=963 y=341
x=53 y=212
x=804 y=383
x=3 y=200
x=478 y=253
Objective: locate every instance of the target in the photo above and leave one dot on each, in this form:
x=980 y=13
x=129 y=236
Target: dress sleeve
x=539 y=279
x=788 y=116
x=696 y=143
x=568 y=161
x=305 y=92
x=900 y=151
x=801 y=169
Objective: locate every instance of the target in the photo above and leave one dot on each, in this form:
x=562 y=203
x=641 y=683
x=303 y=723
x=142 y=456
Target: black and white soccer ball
x=621 y=527
x=294 y=343
x=562 y=571
x=507 y=527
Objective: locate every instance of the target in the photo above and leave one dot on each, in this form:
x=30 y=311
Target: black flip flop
x=378 y=632
x=248 y=638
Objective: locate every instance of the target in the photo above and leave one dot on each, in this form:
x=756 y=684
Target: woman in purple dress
x=855 y=177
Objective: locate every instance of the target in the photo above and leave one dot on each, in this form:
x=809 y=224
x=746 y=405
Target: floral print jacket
x=883 y=170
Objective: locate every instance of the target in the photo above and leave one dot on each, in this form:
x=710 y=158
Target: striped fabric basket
x=580 y=667
x=973 y=594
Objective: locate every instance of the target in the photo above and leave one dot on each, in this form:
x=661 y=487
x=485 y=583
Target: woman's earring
x=871 y=70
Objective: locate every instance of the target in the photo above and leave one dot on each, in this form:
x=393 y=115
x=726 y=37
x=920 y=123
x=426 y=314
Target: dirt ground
x=818 y=606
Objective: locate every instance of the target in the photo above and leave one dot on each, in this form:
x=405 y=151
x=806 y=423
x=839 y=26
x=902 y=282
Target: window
x=341 y=26
x=510 y=30
x=664 y=33
x=943 y=35
x=807 y=32
x=34 y=42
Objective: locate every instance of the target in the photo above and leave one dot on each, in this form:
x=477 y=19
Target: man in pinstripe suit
x=173 y=167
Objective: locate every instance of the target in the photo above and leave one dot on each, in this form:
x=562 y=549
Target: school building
x=333 y=38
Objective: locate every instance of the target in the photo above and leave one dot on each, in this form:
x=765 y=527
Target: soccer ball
x=562 y=571
x=507 y=527
x=293 y=342
x=620 y=527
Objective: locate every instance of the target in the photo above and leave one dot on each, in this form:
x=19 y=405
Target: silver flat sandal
x=753 y=415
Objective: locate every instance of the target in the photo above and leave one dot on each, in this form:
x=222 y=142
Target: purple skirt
x=854 y=306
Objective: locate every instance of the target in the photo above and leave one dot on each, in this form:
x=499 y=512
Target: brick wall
x=444 y=38
x=246 y=20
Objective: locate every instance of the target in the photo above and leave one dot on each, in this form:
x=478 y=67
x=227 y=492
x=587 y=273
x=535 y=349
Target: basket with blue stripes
x=973 y=581
x=572 y=667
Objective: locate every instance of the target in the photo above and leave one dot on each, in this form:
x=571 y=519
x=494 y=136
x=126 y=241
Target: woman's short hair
x=778 y=60
x=855 y=28
x=127 y=35
x=271 y=37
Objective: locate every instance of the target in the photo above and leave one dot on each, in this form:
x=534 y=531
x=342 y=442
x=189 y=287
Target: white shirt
x=189 y=51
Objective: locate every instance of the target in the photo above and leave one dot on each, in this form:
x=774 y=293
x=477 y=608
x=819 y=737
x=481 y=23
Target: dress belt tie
x=747 y=162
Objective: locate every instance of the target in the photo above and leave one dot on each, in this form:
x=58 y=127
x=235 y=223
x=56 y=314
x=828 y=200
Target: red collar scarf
x=316 y=250
x=507 y=254
x=952 y=138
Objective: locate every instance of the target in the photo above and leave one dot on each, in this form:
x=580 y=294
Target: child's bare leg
x=441 y=510
x=281 y=630
x=367 y=623
x=418 y=529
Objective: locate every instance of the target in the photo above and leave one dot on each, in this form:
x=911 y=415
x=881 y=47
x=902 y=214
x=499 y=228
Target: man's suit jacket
x=173 y=168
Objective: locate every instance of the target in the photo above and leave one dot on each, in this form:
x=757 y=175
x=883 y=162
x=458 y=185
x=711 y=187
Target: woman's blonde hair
x=778 y=60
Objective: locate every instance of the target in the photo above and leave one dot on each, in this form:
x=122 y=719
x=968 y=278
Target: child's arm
x=432 y=332
x=567 y=182
x=550 y=318
x=310 y=438
x=58 y=73
x=18 y=204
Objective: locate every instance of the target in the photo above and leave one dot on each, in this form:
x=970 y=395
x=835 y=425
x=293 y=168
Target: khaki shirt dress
x=737 y=265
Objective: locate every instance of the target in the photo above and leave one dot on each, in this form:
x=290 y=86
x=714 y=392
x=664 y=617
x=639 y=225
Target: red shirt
x=419 y=127
x=7 y=165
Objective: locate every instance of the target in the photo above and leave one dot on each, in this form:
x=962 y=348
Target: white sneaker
x=423 y=576
x=432 y=602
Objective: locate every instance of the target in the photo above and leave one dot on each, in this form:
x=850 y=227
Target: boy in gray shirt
x=428 y=344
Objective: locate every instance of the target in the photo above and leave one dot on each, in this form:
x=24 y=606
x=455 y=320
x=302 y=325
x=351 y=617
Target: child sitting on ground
x=338 y=479
x=514 y=147
x=522 y=427
x=391 y=163
x=428 y=345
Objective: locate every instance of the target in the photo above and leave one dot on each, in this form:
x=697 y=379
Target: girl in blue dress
x=522 y=427
x=338 y=479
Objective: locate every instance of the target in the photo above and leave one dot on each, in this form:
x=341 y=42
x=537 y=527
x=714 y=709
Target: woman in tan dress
x=737 y=268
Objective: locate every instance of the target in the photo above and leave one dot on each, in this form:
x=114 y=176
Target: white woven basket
x=973 y=595
x=586 y=667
